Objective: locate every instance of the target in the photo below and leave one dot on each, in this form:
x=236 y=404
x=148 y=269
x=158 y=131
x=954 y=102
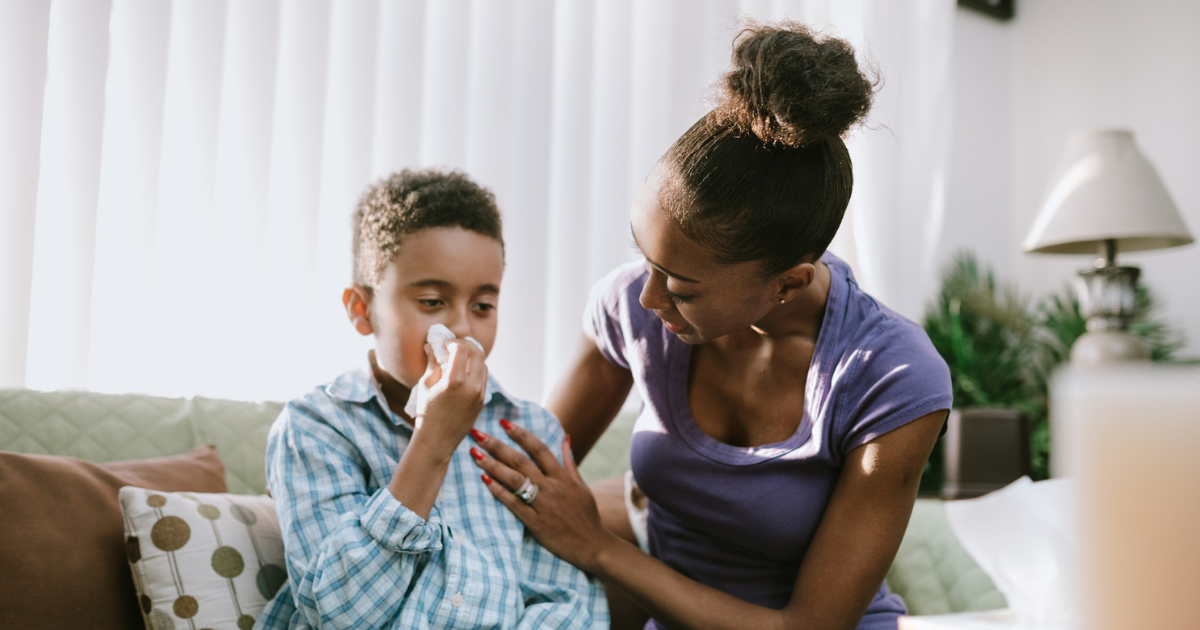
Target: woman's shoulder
x=882 y=331
x=868 y=327
x=615 y=319
x=621 y=285
x=876 y=344
x=883 y=370
x=615 y=298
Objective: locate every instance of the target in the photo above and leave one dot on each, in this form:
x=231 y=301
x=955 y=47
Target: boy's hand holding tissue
x=450 y=394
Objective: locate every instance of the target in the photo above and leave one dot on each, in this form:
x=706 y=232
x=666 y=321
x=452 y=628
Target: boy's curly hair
x=413 y=200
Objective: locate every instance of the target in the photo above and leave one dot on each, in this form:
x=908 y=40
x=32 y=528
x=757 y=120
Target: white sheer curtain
x=902 y=158
x=176 y=177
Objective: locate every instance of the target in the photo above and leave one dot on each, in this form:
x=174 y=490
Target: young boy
x=384 y=520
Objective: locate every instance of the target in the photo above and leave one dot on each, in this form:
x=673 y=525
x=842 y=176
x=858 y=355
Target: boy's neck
x=395 y=393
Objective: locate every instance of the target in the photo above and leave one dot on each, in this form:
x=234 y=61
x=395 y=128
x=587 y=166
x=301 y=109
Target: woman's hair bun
x=790 y=86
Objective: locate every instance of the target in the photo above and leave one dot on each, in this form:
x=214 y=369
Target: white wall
x=979 y=191
x=1025 y=86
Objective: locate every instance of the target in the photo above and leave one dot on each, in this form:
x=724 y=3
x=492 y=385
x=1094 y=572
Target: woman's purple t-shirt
x=740 y=519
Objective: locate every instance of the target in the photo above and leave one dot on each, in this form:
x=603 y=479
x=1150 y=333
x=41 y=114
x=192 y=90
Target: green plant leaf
x=1001 y=348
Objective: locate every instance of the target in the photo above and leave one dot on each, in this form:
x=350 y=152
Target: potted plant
x=1001 y=349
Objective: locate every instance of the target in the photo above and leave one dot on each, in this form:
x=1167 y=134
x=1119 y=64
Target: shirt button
x=457 y=600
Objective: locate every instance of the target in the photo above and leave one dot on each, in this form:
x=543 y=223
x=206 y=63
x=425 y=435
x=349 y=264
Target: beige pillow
x=202 y=560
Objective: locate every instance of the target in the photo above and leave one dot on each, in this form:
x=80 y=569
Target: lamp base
x=1107 y=346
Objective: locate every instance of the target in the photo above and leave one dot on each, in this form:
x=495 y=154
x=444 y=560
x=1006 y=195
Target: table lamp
x=1106 y=197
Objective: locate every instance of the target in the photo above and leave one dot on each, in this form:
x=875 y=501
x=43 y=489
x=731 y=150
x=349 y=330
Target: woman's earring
x=782 y=300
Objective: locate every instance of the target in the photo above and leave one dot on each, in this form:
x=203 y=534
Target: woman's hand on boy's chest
x=465 y=502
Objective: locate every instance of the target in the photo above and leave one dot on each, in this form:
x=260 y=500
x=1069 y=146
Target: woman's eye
x=677 y=299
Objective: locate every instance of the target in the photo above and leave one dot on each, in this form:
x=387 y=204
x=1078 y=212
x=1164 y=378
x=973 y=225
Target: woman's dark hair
x=765 y=175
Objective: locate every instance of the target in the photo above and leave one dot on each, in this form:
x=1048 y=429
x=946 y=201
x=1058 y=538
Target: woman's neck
x=802 y=315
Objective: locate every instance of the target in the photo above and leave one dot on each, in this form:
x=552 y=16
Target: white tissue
x=437 y=337
x=638 y=515
x=1024 y=536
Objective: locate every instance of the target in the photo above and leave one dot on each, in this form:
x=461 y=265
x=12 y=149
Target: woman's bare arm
x=588 y=398
x=843 y=568
x=862 y=527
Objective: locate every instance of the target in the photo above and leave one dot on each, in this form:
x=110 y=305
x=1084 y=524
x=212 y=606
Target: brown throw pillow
x=62 y=543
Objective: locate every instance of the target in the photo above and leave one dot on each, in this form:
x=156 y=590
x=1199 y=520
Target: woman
x=788 y=415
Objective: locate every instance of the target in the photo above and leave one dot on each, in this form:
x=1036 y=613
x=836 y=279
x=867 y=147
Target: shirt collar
x=359 y=386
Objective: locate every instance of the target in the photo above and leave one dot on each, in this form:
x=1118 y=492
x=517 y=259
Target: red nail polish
x=568 y=440
x=478 y=435
x=508 y=426
x=476 y=453
x=486 y=479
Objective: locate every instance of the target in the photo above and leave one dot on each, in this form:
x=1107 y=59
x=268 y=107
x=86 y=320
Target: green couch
x=931 y=571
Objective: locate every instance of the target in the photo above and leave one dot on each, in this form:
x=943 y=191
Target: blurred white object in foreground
x=1025 y=537
x=1115 y=548
x=1134 y=434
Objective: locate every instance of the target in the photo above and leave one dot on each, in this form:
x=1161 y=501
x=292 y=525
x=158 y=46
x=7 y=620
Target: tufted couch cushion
x=106 y=427
x=933 y=572
x=610 y=456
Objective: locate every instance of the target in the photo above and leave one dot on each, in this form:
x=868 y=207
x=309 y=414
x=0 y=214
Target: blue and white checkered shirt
x=357 y=558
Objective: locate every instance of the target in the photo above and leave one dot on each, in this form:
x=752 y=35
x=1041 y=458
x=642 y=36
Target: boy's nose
x=459 y=325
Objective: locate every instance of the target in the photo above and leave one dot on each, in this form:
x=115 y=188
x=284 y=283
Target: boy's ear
x=357 y=301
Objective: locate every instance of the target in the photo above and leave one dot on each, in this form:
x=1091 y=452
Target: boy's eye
x=430 y=302
x=484 y=306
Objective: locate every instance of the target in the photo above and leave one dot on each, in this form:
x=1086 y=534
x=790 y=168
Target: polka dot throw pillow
x=202 y=561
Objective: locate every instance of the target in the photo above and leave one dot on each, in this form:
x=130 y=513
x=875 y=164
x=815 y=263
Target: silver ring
x=527 y=492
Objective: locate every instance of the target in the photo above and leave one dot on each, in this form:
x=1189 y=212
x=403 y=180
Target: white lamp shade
x=1106 y=189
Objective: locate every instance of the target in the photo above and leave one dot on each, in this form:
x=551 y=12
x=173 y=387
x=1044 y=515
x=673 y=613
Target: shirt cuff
x=398 y=528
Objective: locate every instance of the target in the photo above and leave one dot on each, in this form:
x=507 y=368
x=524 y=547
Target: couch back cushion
x=62 y=543
x=107 y=427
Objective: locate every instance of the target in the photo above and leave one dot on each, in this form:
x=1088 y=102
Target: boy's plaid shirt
x=357 y=558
